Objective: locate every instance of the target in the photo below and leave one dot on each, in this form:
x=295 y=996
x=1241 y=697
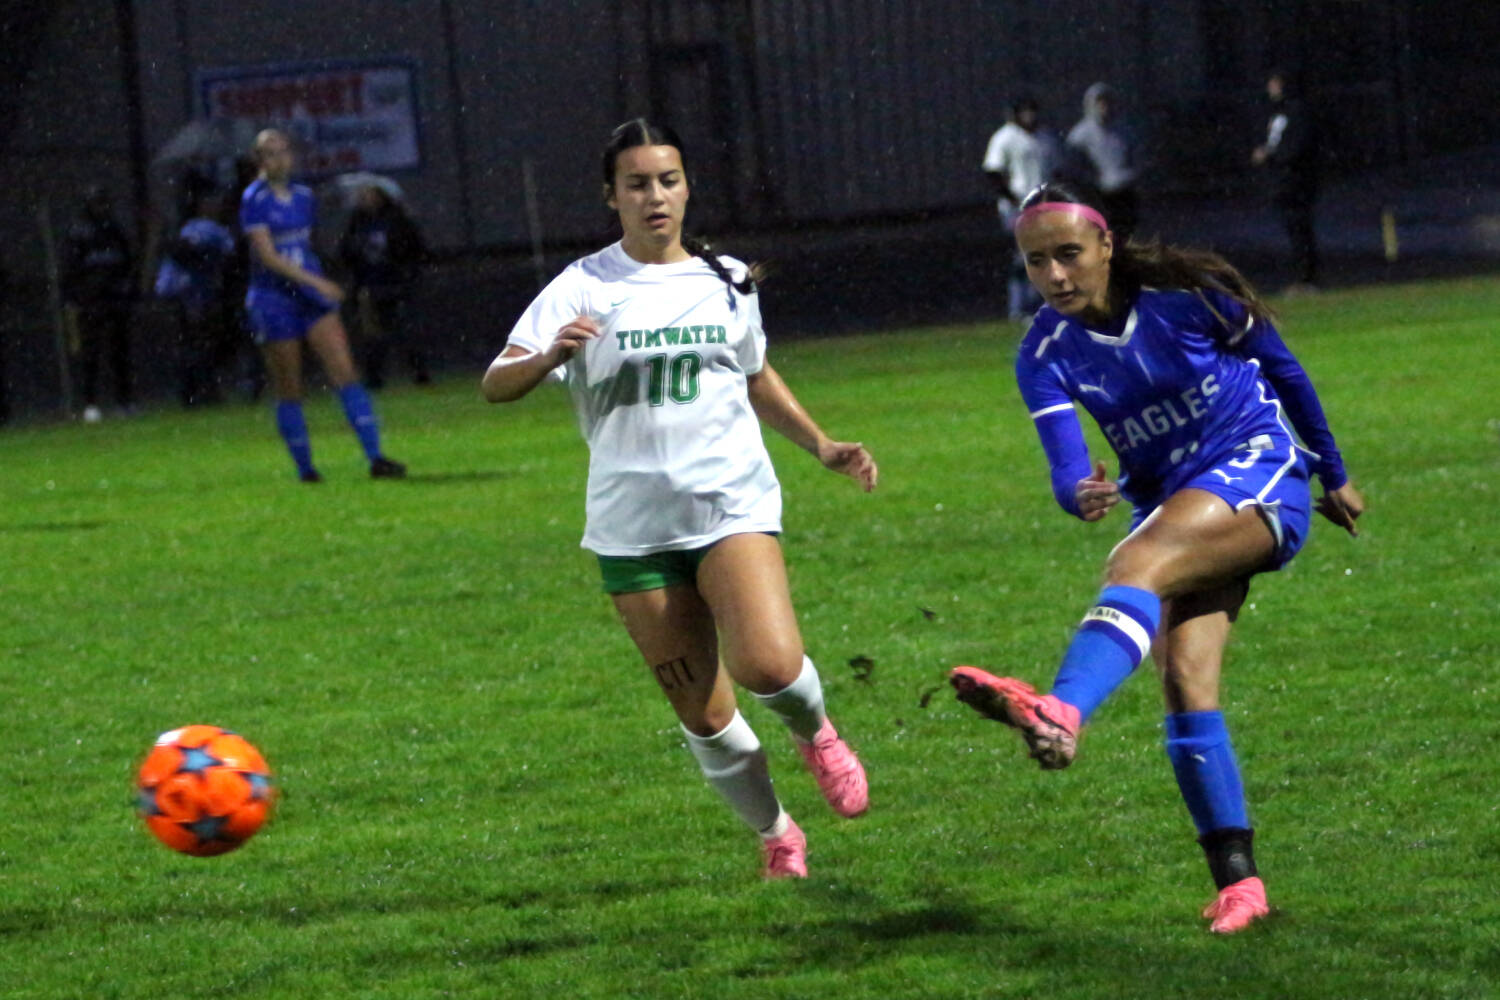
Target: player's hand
x=851 y=459
x=1343 y=507
x=1258 y=157
x=1096 y=495
x=575 y=333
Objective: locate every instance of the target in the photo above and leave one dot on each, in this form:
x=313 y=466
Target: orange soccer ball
x=204 y=790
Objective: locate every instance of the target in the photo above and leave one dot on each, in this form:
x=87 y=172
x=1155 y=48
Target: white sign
x=354 y=116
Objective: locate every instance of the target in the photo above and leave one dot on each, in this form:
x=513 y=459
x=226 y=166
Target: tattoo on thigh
x=673 y=674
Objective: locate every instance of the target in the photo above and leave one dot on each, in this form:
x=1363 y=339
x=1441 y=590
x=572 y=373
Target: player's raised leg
x=1193 y=541
x=674 y=630
x=743 y=579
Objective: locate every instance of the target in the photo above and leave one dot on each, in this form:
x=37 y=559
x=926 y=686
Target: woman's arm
x=1295 y=390
x=518 y=370
x=265 y=252
x=1340 y=503
x=774 y=403
x=1086 y=493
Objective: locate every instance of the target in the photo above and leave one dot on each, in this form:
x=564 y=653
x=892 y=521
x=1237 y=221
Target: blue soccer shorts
x=284 y=315
x=1268 y=472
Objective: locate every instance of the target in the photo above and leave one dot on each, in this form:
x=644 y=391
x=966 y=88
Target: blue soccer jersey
x=290 y=223
x=193 y=273
x=1179 y=381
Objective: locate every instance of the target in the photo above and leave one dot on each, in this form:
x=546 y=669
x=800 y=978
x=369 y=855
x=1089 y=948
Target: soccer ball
x=204 y=790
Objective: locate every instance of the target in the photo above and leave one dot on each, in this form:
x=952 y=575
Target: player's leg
x=117 y=323
x=374 y=338
x=283 y=359
x=1193 y=541
x=1189 y=655
x=330 y=342
x=90 y=353
x=743 y=580
x=1018 y=290
x=674 y=631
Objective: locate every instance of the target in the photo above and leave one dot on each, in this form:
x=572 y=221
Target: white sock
x=734 y=763
x=777 y=827
x=800 y=703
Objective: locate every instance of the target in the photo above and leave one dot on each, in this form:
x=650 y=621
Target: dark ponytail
x=745 y=286
x=640 y=132
x=1153 y=264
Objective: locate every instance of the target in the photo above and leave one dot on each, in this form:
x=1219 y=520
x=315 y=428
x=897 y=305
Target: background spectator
x=1289 y=158
x=1020 y=157
x=97 y=284
x=384 y=252
x=191 y=277
x=1108 y=156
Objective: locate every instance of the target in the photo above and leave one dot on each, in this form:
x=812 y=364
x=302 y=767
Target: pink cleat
x=1049 y=726
x=1238 y=906
x=841 y=777
x=786 y=855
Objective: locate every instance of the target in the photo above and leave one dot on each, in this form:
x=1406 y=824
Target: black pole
x=134 y=114
x=456 y=113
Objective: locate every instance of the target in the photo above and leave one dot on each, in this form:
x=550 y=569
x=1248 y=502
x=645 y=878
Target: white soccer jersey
x=1026 y=158
x=676 y=458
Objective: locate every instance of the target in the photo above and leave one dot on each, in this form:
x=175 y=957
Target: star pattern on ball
x=206 y=828
x=260 y=785
x=196 y=760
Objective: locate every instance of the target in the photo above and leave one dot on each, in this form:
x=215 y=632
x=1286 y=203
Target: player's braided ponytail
x=745 y=286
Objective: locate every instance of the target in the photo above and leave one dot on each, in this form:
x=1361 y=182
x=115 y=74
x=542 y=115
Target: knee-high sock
x=734 y=763
x=361 y=414
x=800 y=703
x=1207 y=772
x=1114 y=637
x=293 y=428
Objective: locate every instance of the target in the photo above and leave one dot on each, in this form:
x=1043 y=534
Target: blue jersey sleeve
x=253 y=210
x=1258 y=340
x=1057 y=425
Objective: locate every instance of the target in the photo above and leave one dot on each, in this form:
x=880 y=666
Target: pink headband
x=1068 y=207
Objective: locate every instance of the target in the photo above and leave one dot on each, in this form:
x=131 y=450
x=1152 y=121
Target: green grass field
x=483 y=794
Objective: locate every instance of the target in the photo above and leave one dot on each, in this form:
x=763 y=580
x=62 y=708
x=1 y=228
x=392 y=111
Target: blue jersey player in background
x=1176 y=358
x=290 y=301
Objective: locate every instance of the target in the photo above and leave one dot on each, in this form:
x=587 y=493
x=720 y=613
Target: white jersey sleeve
x=995 y=153
x=751 y=350
x=564 y=299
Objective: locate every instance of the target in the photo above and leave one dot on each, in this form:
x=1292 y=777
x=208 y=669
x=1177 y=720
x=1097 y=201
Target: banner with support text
x=344 y=116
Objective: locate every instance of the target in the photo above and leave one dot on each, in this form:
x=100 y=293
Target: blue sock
x=1207 y=773
x=362 y=418
x=1115 y=636
x=293 y=430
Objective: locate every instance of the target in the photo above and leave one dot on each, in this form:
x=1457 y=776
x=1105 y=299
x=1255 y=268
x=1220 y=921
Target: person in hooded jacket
x=1108 y=153
x=1289 y=158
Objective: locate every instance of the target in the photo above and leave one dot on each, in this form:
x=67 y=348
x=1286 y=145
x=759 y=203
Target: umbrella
x=350 y=185
x=205 y=139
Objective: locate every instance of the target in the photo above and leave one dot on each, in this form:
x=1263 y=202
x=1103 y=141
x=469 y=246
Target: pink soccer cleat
x=1048 y=725
x=785 y=856
x=1238 y=906
x=841 y=777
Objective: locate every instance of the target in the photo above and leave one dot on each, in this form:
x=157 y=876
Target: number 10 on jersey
x=675 y=377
